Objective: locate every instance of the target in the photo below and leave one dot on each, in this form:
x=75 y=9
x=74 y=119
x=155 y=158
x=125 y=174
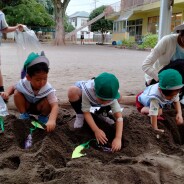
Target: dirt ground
x=71 y=63
x=146 y=156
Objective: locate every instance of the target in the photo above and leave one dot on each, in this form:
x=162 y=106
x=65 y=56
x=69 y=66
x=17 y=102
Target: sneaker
x=106 y=119
x=43 y=119
x=24 y=115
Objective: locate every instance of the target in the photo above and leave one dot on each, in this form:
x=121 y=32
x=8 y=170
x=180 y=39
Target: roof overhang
x=124 y=16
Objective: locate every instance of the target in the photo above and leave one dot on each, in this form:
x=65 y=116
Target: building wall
x=128 y=4
x=77 y=22
x=142 y=9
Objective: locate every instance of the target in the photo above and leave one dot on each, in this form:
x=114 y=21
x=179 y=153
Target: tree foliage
x=103 y=25
x=48 y=5
x=27 y=12
x=39 y=13
x=67 y=25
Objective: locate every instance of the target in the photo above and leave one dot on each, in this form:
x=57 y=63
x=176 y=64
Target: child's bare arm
x=116 y=144
x=8 y=92
x=99 y=134
x=51 y=124
x=154 y=124
x=179 y=117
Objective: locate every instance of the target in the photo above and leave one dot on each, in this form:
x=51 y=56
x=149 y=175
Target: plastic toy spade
x=37 y=125
x=105 y=148
x=3 y=113
x=28 y=142
x=77 y=151
x=2 y=124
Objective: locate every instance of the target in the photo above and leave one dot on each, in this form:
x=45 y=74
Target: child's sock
x=79 y=121
x=1 y=88
x=77 y=106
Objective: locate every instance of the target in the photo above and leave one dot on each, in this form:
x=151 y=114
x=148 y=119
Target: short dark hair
x=37 y=68
x=169 y=92
x=181 y=32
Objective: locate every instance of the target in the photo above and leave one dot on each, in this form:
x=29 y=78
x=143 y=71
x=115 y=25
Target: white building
x=79 y=19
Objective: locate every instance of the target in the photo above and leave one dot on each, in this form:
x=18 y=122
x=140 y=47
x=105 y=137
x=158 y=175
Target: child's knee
x=18 y=95
x=44 y=106
x=74 y=93
x=160 y=112
x=145 y=110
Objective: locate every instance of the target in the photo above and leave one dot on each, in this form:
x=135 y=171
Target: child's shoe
x=24 y=115
x=106 y=119
x=43 y=119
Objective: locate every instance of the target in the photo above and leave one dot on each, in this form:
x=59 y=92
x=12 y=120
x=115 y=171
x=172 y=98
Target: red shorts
x=138 y=104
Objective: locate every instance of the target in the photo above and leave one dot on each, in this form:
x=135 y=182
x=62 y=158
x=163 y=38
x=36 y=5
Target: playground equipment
x=106 y=12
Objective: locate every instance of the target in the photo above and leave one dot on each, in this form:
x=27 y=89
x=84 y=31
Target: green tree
x=27 y=12
x=102 y=24
x=68 y=26
x=48 y=5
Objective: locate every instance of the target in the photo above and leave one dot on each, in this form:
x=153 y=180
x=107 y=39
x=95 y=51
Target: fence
x=98 y=38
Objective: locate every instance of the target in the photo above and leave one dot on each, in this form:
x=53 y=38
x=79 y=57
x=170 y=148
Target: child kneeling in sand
x=33 y=94
x=101 y=91
x=155 y=97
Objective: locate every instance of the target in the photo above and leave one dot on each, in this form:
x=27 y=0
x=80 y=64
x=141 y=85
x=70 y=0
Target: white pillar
x=165 y=18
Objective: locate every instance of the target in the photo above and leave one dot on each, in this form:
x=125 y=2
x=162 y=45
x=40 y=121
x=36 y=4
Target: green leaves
x=28 y=12
x=102 y=24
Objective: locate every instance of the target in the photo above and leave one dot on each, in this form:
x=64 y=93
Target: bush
x=149 y=41
x=128 y=43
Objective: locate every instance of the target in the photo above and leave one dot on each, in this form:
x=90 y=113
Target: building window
x=153 y=23
x=176 y=20
x=134 y=27
x=83 y=22
x=115 y=28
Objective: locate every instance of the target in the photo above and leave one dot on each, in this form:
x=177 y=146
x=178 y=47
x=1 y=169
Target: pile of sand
x=146 y=156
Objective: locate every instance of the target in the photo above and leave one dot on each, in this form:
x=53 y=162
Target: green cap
x=170 y=79
x=35 y=58
x=106 y=86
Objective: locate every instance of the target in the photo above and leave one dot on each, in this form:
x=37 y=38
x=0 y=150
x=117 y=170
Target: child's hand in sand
x=100 y=136
x=116 y=144
x=4 y=95
x=179 y=119
x=160 y=130
x=50 y=125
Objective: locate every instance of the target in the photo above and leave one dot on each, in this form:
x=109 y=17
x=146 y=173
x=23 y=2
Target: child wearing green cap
x=155 y=97
x=101 y=91
x=33 y=94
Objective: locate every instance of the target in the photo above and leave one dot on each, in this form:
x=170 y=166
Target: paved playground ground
x=71 y=63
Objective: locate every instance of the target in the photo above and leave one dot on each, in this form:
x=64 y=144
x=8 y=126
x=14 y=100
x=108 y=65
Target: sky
x=86 y=5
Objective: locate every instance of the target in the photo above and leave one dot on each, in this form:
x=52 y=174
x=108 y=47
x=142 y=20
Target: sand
x=146 y=155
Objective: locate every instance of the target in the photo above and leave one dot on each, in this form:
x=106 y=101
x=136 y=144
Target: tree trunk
x=60 y=8
x=103 y=37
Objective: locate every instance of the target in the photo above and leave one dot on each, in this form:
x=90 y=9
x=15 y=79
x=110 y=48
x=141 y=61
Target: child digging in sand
x=101 y=91
x=155 y=97
x=33 y=94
